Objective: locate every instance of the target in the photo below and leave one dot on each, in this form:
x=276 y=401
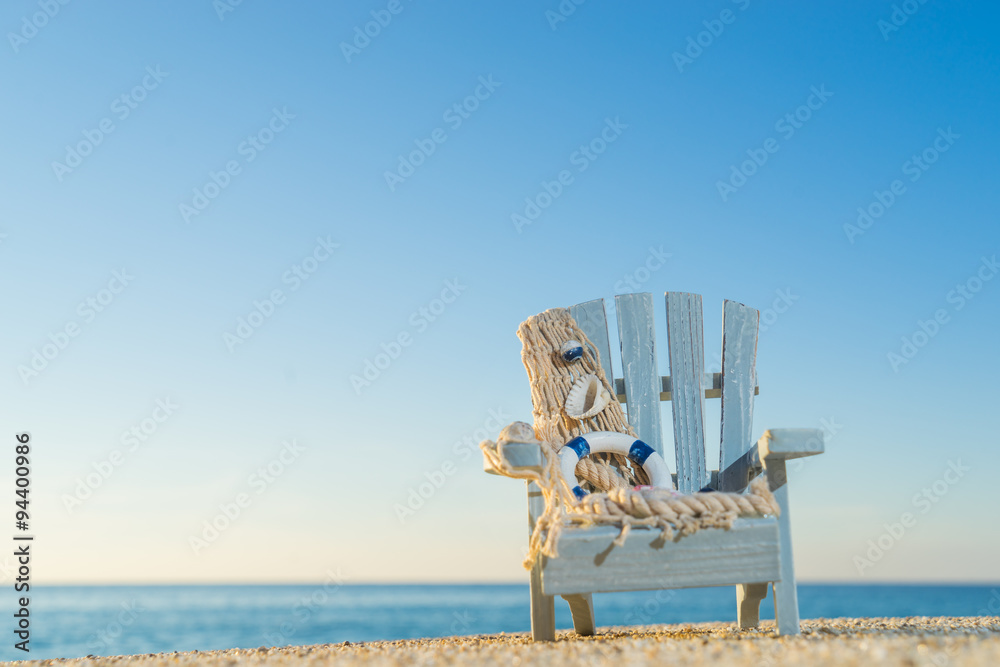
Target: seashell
x=571 y=350
x=517 y=432
x=587 y=397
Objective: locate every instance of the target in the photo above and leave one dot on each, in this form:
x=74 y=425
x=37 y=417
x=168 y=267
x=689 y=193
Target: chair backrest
x=686 y=384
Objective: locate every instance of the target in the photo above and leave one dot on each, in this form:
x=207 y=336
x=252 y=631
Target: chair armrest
x=517 y=455
x=790 y=443
x=778 y=444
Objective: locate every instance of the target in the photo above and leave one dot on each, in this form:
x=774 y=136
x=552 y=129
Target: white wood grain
x=591 y=317
x=637 y=335
x=589 y=562
x=543 y=608
x=790 y=443
x=739 y=357
x=786 y=600
x=687 y=362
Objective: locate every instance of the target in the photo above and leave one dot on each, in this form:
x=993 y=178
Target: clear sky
x=216 y=214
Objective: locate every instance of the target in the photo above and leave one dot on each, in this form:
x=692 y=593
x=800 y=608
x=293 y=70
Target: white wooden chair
x=756 y=551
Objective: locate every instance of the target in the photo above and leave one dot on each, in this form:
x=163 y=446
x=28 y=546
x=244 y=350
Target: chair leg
x=748 y=598
x=786 y=608
x=582 y=608
x=786 y=600
x=543 y=609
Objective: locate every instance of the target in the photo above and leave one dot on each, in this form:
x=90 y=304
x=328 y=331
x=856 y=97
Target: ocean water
x=74 y=621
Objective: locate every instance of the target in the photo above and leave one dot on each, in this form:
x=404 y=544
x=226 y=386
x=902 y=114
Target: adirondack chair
x=755 y=552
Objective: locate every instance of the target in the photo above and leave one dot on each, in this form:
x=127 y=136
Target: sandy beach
x=939 y=641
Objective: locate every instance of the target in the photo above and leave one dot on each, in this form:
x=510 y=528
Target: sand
x=844 y=641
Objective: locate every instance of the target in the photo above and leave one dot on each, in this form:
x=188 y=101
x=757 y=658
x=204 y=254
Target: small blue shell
x=571 y=350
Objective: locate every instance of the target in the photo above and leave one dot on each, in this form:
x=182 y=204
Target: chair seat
x=589 y=562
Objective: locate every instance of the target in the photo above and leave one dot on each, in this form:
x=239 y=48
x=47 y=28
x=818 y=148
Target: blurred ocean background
x=75 y=621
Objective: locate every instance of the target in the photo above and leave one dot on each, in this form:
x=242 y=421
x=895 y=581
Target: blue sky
x=653 y=115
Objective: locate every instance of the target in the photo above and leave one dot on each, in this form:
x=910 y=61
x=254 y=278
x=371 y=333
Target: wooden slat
x=543 y=607
x=592 y=318
x=713 y=478
x=739 y=356
x=740 y=472
x=637 y=334
x=712 y=385
x=588 y=562
x=786 y=601
x=687 y=371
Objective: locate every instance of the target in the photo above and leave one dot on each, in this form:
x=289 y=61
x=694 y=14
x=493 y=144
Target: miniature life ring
x=617 y=443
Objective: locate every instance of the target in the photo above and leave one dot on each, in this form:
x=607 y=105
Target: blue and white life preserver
x=617 y=443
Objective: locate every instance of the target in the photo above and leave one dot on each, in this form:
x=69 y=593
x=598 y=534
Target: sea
x=77 y=621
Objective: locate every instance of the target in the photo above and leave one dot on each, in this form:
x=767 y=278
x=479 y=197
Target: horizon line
x=813 y=582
